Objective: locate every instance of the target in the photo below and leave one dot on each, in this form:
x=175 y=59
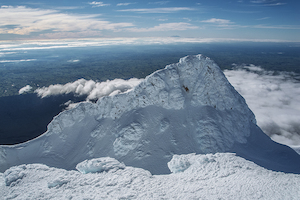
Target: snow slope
x=188 y=107
x=211 y=176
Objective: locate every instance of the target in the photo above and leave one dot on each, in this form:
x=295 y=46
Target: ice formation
x=210 y=176
x=188 y=107
x=99 y=165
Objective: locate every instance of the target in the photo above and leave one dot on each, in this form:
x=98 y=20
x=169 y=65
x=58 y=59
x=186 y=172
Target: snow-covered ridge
x=210 y=176
x=188 y=107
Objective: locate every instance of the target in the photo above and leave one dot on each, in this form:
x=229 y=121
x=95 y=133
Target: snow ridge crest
x=195 y=80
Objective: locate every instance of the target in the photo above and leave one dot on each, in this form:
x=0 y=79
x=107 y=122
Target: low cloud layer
x=274 y=99
x=12 y=47
x=93 y=90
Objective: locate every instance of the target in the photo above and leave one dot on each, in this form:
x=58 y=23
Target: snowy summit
x=187 y=108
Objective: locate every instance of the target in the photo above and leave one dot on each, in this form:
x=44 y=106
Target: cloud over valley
x=92 y=89
x=273 y=97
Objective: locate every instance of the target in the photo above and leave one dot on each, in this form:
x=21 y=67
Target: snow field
x=210 y=176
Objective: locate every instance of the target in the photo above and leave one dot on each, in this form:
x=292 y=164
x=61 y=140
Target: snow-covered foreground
x=210 y=176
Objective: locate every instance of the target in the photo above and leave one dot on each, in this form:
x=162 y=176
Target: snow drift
x=210 y=176
x=188 y=107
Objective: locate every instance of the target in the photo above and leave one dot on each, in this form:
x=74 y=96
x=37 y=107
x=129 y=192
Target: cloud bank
x=92 y=89
x=70 y=43
x=274 y=99
x=22 y=20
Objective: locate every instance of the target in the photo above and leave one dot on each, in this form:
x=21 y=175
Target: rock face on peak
x=188 y=107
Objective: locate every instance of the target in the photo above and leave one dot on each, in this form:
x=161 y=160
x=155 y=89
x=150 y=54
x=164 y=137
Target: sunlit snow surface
x=210 y=176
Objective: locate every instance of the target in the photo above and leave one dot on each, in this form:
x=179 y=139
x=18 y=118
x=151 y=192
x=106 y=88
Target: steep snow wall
x=188 y=107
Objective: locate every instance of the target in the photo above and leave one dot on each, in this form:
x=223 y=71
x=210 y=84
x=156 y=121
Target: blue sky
x=235 y=19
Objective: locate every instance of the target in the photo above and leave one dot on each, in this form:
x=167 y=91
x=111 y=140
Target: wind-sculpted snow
x=211 y=176
x=188 y=107
x=99 y=165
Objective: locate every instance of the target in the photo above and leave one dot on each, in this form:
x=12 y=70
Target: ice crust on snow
x=13 y=174
x=99 y=165
x=179 y=163
x=188 y=107
x=210 y=176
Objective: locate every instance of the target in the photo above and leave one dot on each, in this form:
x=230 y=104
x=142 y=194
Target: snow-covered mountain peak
x=188 y=107
x=194 y=81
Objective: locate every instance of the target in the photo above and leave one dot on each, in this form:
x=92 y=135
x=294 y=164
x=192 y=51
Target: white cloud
x=259 y=1
x=68 y=7
x=92 y=89
x=98 y=4
x=274 y=99
x=159 y=2
x=180 y=26
x=264 y=18
x=163 y=20
x=268 y=2
x=24 y=21
x=124 y=4
x=2 y=54
x=217 y=21
x=73 y=61
x=70 y=105
x=25 y=89
x=287 y=27
x=277 y=4
x=76 y=34
x=22 y=60
x=222 y=23
x=158 y=10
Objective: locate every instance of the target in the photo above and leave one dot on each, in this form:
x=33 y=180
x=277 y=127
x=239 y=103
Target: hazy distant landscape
x=43 y=65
